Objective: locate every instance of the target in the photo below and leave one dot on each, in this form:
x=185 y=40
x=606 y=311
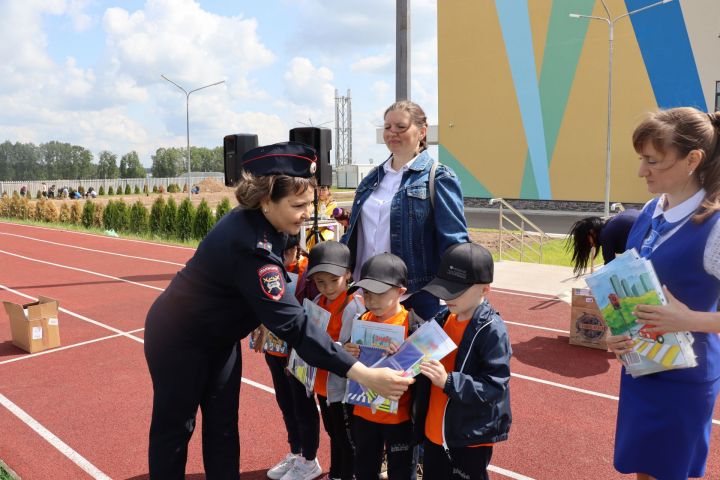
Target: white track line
x=99 y=236
x=82 y=270
x=77 y=315
x=508 y=473
x=67 y=347
x=94 y=250
x=48 y=436
x=556 y=330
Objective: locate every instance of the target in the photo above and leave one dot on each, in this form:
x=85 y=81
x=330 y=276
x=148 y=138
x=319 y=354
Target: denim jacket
x=419 y=232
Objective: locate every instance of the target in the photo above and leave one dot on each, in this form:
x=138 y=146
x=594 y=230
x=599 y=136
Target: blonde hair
x=252 y=190
x=683 y=130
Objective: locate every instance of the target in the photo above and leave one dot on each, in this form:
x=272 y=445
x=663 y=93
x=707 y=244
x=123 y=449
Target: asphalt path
x=548 y=221
x=551 y=222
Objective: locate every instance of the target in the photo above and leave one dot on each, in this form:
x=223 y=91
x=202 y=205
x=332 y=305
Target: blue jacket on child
x=478 y=407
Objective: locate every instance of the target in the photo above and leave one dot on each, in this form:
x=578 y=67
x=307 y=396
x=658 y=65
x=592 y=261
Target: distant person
x=463 y=403
x=23 y=191
x=44 y=189
x=606 y=235
x=195 y=189
x=664 y=420
x=51 y=192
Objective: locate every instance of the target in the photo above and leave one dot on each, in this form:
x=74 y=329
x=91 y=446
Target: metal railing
x=524 y=239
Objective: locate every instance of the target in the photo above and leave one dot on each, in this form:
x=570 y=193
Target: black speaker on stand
x=234 y=147
x=321 y=140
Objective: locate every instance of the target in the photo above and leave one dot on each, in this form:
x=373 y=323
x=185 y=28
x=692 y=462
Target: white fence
x=36 y=185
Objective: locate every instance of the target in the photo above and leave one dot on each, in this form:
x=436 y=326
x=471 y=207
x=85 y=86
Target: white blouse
x=374 y=231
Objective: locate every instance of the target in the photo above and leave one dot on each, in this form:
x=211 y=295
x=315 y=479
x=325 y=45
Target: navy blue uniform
x=235 y=281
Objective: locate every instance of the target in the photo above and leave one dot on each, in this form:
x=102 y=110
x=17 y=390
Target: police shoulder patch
x=272 y=282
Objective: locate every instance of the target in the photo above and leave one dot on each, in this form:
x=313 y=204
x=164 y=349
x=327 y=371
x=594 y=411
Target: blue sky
x=88 y=72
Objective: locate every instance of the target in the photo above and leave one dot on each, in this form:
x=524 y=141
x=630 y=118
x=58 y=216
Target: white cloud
x=309 y=86
x=383 y=63
x=183 y=41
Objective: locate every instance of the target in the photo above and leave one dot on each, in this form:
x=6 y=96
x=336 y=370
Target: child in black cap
x=384 y=281
x=329 y=269
x=463 y=401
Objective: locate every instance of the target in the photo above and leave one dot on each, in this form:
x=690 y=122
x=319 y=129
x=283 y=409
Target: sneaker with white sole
x=282 y=467
x=303 y=469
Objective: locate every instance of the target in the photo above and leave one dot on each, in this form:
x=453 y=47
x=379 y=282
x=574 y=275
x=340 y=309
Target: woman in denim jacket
x=393 y=211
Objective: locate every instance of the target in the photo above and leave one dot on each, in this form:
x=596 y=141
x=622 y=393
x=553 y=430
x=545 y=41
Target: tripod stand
x=314 y=237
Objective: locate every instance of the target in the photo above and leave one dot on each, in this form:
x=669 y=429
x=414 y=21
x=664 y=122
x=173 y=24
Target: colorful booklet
x=372 y=338
x=429 y=342
x=618 y=288
x=356 y=394
x=300 y=369
x=273 y=343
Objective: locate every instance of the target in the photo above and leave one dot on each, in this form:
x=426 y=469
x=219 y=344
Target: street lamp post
x=187 y=121
x=611 y=32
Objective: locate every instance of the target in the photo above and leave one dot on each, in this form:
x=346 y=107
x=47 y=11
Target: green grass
x=79 y=228
x=4 y=475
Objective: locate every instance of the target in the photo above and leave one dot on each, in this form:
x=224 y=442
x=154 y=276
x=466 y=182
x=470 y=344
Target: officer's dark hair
x=252 y=190
x=579 y=242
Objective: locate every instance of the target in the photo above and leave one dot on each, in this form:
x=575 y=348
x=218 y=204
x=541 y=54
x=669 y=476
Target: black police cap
x=286 y=158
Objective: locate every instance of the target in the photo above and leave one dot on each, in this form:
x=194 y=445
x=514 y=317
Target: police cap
x=286 y=158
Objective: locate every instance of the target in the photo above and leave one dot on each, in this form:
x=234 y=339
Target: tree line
x=57 y=160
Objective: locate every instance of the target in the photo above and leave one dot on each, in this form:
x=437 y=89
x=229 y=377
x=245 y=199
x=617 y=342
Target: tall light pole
x=187 y=120
x=611 y=32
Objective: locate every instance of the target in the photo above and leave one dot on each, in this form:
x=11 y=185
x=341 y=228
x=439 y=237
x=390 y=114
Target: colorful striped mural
x=523 y=90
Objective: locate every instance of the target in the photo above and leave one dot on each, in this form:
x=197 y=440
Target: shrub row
x=165 y=219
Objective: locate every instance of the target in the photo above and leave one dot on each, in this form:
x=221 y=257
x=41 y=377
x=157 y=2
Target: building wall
x=523 y=90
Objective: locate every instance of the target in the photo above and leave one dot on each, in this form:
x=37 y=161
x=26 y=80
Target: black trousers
x=299 y=411
x=372 y=438
x=183 y=379
x=336 y=419
x=462 y=464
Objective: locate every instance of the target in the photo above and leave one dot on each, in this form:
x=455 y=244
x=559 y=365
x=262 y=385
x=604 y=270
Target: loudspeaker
x=234 y=147
x=321 y=140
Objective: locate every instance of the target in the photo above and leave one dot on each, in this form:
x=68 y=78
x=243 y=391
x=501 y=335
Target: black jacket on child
x=478 y=407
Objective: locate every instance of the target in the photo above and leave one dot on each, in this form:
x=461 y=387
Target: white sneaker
x=303 y=470
x=282 y=467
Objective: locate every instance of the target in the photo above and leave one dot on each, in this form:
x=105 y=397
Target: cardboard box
x=583 y=298
x=34 y=325
x=587 y=327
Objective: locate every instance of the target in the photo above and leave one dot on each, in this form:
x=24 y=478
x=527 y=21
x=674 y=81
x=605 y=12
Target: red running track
x=82 y=411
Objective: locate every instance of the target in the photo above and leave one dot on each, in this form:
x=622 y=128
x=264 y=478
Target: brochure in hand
x=372 y=338
x=429 y=342
x=618 y=288
x=273 y=344
x=357 y=394
x=300 y=369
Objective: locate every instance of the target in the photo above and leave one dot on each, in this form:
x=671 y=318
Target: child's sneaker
x=282 y=467
x=303 y=469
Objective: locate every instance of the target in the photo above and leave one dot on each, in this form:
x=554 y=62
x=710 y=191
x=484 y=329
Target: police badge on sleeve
x=272 y=282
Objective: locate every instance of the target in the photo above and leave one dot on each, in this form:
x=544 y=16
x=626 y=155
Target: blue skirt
x=663 y=426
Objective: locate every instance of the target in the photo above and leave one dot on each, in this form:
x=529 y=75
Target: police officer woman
x=234 y=282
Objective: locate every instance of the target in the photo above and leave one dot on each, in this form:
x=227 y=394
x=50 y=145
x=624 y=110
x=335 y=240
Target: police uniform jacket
x=235 y=281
